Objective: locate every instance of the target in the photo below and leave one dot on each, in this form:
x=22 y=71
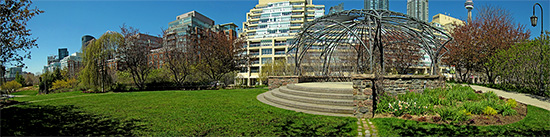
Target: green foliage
x=15 y=41
x=10 y=86
x=453 y=114
x=534 y=124
x=188 y=113
x=384 y=105
x=524 y=66
x=489 y=111
x=63 y=85
x=96 y=73
x=275 y=68
x=512 y=103
x=509 y=112
x=19 y=78
x=474 y=107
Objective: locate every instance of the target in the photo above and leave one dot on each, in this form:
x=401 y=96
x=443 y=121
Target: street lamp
x=534 y=18
x=534 y=23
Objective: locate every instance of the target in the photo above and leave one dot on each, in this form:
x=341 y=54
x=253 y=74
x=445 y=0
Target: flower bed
x=458 y=105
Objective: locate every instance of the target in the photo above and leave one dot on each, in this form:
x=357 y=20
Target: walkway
x=520 y=97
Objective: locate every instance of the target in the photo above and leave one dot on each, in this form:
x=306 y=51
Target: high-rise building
x=85 y=40
x=62 y=53
x=12 y=72
x=377 y=4
x=445 y=21
x=337 y=8
x=230 y=29
x=418 y=9
x=185 y=23
x=270 y=27
x=72 y=63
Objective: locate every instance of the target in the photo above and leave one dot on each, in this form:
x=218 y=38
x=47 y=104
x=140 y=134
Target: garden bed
x=475 y=120
x=457 y=105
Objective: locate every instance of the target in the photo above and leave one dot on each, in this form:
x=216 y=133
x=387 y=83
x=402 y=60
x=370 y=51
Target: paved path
x=520 y=97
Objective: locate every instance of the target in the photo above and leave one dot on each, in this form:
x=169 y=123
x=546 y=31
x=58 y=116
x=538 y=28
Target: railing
x=280 y=44
x=255 y=45
x=254 y=53
x=280 y=52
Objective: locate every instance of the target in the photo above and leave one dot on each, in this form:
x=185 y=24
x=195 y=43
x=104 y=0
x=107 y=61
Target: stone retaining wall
x=324 y=79
x=277 y=81
x=365 y=94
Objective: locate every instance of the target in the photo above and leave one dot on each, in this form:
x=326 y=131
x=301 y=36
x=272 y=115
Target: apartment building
x=270 y=28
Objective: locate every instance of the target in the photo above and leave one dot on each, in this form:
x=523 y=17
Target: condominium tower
x=377 y=4
x=270 y=27
x=184 y=23
x=418 y=9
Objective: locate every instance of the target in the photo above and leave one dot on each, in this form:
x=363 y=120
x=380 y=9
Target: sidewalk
x=520 y=97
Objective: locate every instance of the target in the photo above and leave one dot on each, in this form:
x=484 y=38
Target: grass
x=26 y=92
x=165 y=113
x=534 y=124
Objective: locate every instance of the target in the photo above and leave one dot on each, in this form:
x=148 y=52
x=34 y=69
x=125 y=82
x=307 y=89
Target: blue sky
x=64 y=22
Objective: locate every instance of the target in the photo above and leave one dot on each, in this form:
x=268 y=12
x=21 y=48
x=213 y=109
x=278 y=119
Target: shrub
x=512 y=103
x=473 y=107
x=509 y=112
x=453 y=114
x=63 y=84
x=11 y=86
x=489 y=111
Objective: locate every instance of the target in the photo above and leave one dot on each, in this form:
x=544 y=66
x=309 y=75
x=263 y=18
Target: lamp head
x=534 y=20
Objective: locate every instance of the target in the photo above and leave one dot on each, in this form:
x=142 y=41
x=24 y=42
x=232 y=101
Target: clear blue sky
x=64 y=22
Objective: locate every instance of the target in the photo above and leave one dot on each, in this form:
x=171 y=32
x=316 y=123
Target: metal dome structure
x=355 y=39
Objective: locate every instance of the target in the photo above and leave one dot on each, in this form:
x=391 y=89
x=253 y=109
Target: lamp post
x=534 y=23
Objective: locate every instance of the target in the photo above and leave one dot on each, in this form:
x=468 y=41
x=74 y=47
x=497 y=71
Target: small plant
x=489 y=111
x=509 y=112
x=512 y=103
x=401 y=107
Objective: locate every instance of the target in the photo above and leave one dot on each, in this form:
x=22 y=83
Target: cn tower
x=469 y=4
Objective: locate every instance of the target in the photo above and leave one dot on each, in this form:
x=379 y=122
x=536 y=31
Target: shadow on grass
x=35 y=120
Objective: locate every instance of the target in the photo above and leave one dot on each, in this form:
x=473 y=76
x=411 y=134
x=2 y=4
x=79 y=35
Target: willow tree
x=98 y=60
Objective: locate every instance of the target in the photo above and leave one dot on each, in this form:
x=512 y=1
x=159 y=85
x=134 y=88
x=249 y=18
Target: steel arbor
x=364 y=33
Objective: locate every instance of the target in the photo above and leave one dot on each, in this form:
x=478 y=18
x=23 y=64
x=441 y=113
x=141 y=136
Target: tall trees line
x=493 y=47
x=200 y=56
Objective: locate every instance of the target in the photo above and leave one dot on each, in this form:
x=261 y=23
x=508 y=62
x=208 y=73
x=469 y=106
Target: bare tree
x=214 y=53
x=134 y=55
x=175 y=58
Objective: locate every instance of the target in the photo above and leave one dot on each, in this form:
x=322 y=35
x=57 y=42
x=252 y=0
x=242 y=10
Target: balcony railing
x=255 y=45
x=254 y=53
x=280 y=44
x=280 y=52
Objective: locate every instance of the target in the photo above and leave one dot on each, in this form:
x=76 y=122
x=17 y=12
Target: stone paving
x=366 y=128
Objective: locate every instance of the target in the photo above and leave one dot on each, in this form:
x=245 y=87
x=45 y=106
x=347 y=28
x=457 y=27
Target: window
x=267 y=51
x=266 y=60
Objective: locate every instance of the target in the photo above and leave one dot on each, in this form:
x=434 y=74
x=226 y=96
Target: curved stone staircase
x=327 y=98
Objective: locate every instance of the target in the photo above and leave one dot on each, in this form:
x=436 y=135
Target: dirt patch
x=476 y=120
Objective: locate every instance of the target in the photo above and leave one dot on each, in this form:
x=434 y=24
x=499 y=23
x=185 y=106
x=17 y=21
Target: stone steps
x=315 y=95
x=320 y=89
x=313 y=98
x=335 y=102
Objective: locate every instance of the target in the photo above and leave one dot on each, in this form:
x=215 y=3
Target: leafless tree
x=134 y=55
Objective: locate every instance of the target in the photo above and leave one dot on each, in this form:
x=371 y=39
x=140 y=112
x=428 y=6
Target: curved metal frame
x=371 y=30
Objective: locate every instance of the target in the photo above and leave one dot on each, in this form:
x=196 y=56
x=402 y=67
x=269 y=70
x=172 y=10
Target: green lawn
x=165 y=113
x=26 y=92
